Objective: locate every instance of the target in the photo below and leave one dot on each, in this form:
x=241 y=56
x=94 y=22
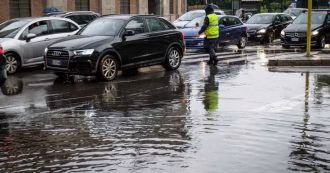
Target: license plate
x=56 y=62
x=294 y=39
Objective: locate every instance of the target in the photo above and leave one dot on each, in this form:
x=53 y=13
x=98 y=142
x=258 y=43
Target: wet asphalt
x=238 y=116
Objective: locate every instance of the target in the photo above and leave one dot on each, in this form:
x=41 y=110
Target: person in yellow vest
x=211 y=30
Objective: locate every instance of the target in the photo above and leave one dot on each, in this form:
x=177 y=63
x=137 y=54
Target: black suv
x=296 y=33
x=82 y=18
x=265 y=27
x=111 y=43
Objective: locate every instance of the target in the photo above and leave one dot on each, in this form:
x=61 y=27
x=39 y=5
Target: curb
x=299 y=62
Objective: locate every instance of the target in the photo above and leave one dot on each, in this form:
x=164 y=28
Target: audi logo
x=56 y=53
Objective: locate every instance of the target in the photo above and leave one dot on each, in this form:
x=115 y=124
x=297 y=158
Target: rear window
x=155 y=25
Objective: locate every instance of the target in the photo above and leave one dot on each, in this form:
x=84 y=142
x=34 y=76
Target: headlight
x=262 y=31
x=201 y=36
x=315 y=33
x=83 y=52
x=282 y=33
x=46 y=50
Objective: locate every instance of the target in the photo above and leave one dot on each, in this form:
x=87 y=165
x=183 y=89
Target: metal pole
x=309 y=29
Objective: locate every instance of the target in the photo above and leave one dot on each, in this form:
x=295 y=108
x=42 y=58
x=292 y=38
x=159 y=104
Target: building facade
x=170 y=9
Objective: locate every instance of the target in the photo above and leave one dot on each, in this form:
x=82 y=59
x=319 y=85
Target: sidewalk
x=316 y=59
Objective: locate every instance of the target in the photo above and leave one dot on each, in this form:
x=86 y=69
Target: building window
x=82 y=5
x=20 y=8
x=124 y=6
x=171 y=6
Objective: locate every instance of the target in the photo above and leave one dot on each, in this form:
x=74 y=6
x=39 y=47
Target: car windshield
x=10 y=28
x=198 y=22
x=261 y=19
x=103 y=27
x=293 y=12
x=317 y=18
x=191 y=15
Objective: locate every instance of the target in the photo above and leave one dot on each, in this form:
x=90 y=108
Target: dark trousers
x=210 y=45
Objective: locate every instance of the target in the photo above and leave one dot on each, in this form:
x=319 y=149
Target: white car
x=23 y=40
x=191 y=15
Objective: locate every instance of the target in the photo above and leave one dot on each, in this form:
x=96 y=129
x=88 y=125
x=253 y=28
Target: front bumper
x=297 y=41
x=253 y=36
x=81 y=65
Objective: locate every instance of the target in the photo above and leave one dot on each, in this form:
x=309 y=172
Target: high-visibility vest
x=212 y=31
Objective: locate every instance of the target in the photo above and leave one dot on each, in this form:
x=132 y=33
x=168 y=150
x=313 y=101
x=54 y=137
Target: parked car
x=191 y=15
x=294 y=12
x=80 y=17
x=3 y=72
x=117 y=42
x=24 y=40
x=296 y=33
x=232 y=32
x=265 y=27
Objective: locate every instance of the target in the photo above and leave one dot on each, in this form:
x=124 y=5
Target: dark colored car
x=82 y=18
x=296 y=33
x=3 y=62
x=265 y=27
x=118 y=42
x=232 y=32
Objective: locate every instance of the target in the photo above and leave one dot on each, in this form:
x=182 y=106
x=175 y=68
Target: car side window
x=224 y=21
x=137 y=25
x=328 y=19
x=277 y=18
x=166 y=24
x=39 y=28
x=154 y=25
x=60 y=26
x=237 y=22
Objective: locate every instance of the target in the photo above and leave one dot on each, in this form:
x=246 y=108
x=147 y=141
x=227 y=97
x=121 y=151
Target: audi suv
x=117 y=42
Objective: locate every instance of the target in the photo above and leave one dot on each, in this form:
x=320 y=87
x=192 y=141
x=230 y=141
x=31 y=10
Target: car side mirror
x=30 y=36
x=129 y=33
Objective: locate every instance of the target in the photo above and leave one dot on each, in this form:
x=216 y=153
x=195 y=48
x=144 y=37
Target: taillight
x=1 y=51
x=182 y=36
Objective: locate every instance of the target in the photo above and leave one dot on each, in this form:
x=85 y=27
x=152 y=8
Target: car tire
x=107 y=68
x=173 y=59
x=13 y=63
x=242 y=42
x=285 y=46
x=321 y=42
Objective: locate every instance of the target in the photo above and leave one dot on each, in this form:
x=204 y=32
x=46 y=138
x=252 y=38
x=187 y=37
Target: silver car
x=24 y=40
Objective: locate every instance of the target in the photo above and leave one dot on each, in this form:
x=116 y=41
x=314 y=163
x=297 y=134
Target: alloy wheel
x=242 y=42
x=109 y=68
x=12 y=64
x=174 y=58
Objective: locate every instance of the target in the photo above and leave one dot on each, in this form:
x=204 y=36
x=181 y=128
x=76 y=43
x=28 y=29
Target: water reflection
x=211 y=98
x=88 y=126
x=308 y=149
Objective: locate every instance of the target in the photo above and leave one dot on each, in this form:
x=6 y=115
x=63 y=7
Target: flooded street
x=200 y=118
